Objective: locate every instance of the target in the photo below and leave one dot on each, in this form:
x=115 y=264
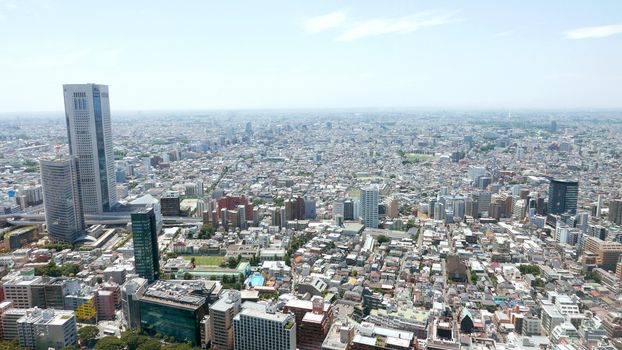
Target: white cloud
x=321 y=23
x=399 y=25
x=593 y=32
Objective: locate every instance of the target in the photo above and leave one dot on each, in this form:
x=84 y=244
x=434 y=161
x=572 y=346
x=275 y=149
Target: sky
x=201 y=55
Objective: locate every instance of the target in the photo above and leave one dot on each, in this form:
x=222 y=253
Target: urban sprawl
x=303 y=229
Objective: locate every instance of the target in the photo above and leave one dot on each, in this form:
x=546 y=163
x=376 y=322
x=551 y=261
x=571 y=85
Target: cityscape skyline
x=320 y=55
x=418 y=175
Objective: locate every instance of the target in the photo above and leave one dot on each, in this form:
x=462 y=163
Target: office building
x=108 y=300
x=369 y=206
x=131 y=291
x=49 y=293
x=607 y=253
x=221 y=316
x=261 y=327
x=64 y=216
x=44 y=329
x=170 y=204
x=33 y=195
x=18 y=288
x=313 y=321
x=149 y=201
x=87 y=113
x=348 y=210
x=145 y=237
x=372 y=337
x=338 y=208
x=615 y=211
x=310 y=212
x=176 y=308
x=563 y=197
x=9 y=323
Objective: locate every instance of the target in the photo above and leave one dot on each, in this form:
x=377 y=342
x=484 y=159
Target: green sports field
x=206 y=260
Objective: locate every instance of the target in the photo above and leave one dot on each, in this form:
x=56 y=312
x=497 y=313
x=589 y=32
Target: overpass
x=25 y=219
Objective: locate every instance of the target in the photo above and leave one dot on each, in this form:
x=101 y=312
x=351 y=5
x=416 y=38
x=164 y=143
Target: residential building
x=221 y=316
x=261 y=327
x=369 y=206
x=313 y=321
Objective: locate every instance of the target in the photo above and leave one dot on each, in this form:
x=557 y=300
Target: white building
x=87 y=109
x=44 y=329
x=369 y=206
x=61 y=198
x=262 y=327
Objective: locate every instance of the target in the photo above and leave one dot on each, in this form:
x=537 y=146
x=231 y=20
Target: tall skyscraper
x=87 y=112
x=563 y=197
x=369 y=206
x=615 y=211
x=61 y=199
x=145 y=238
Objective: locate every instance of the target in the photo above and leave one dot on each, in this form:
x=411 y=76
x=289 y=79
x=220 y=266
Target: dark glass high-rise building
x=563 y=196
x=145 y=236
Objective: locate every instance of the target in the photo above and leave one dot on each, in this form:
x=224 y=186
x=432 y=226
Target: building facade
x=145 y=237
x=87 y=113
x=259 y=327
x=563 y=197
x=221 y=317
x=64 y=216
x=369 y=207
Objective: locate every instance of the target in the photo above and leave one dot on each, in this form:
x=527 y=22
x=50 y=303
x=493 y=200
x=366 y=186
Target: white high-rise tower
x=369 y=206
x=61 y=199
x=87 y=111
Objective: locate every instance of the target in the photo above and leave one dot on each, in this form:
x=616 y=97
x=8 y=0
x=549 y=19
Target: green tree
x=473 y=277
x=232 y=262
x=150 y=344
x=187 y=276
x=279 y=201
x=529 y=269
x=132 y=339
x=177 y=347
x=110 y=343
x=87 y=335
x=9 y=344
x=254 y=260
x=382 y=239
x=71 y=347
